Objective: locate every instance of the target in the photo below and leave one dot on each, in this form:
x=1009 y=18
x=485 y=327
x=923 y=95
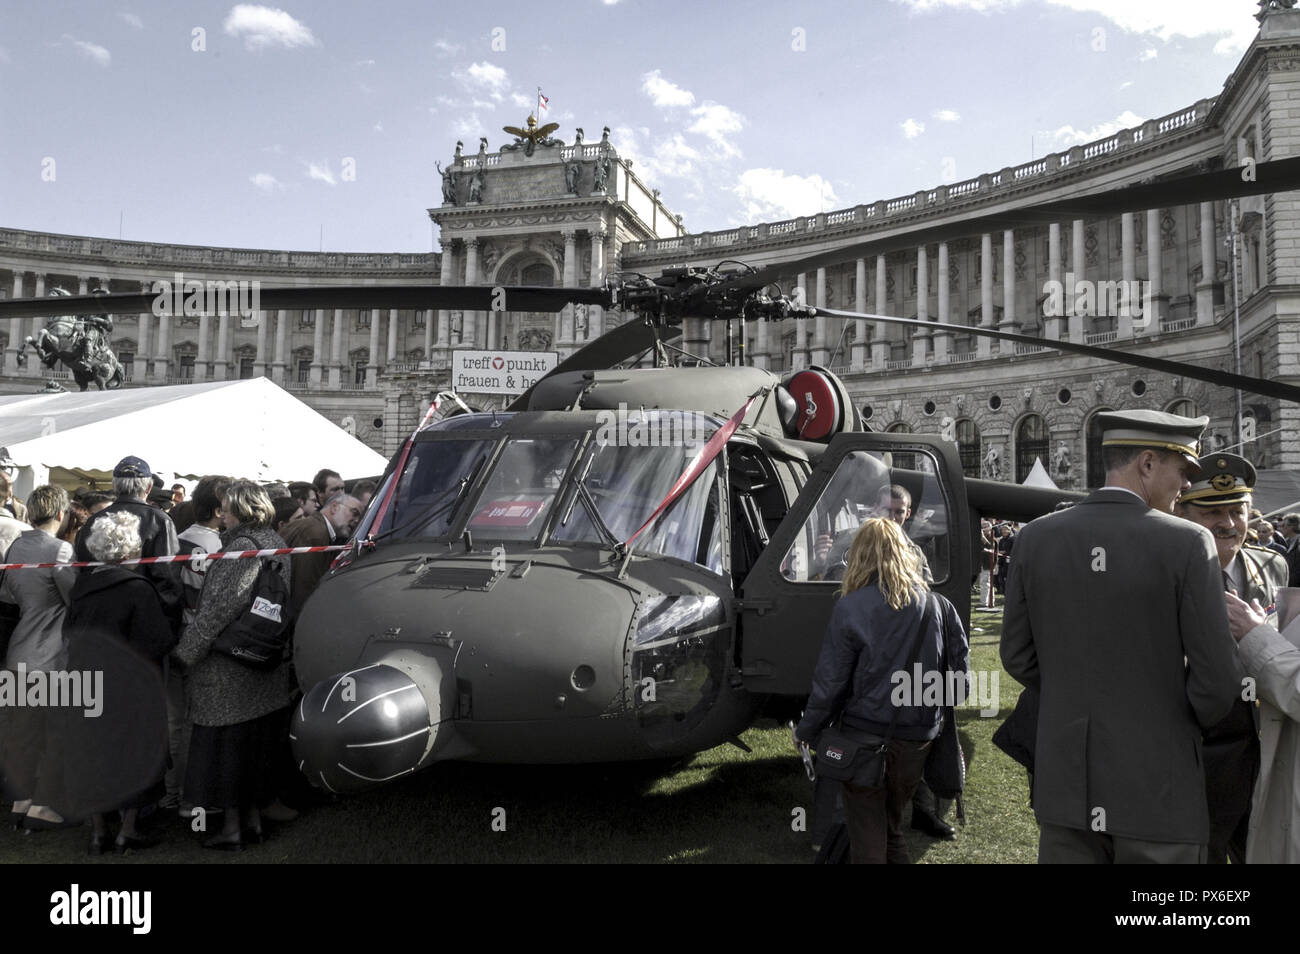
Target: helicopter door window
x=864 y=486
x=521 y=488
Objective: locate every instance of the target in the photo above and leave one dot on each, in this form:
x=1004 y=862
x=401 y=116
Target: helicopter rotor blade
x=1227 y=379
x=618 y=344
x=459 y=297
x=1281 y=175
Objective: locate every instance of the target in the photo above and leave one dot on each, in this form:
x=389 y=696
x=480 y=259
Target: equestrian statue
x=81 y=344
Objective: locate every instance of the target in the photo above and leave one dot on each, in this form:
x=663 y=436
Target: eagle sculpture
x=532 y=137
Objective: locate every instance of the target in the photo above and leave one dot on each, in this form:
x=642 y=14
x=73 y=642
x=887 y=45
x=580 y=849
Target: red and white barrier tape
x=186 y=557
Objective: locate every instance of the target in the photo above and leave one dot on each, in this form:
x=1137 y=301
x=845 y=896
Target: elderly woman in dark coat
x=115 y=624
x=237 y=710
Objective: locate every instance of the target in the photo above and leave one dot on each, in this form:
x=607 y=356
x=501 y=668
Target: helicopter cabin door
x=786 y=599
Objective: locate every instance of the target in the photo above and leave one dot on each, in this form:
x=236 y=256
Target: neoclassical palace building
x=541 y=212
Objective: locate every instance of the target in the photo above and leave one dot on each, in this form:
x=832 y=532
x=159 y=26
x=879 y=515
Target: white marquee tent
x=249 y=428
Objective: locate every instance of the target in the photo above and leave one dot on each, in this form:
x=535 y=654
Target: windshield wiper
x=428 y=513
x=583 y=493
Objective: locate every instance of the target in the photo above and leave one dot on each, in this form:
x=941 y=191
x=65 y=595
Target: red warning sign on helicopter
x=499 y=372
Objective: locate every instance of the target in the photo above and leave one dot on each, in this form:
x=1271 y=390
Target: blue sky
x=270 y=127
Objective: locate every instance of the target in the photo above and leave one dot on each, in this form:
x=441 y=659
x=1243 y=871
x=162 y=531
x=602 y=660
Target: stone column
x=879 y=343
x=447 y=277
x=760 y=356
x=16 y=332
x=1149 y=301
x=942 y=338
x=223 y=347
x=203 y=359
x=921 y=336
x=858 y=359
x=372 y=363
x=336 y=351
x=469 y=319
x=317 y=373
x=1128 y=255
x=820 y=347
x=595 y=313
x=799 y=356
x=984 y=345
x=260 y=364
x=1077 y=256
x=392 y=335
x=281 y=332
x=35 y=368
x=431 y=318
x=570 y=277
x=1052 y=325
x=140 y=369
x=1009 y=322
x=1209 y=269
x=162 y=352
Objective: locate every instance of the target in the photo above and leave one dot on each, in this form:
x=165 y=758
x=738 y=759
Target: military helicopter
x=627 y=562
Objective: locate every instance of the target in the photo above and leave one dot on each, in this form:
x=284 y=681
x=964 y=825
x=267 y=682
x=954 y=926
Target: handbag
x=856 y=756
x=945 y=765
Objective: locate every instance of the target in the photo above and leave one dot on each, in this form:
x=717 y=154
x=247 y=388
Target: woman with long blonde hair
x=885 y=623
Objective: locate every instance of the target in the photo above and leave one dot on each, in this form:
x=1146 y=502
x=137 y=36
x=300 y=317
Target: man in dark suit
x=1126 y=684
x=334 y=524
x=1219 y=500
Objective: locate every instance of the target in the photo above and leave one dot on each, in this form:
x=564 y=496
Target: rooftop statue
x=532 y=137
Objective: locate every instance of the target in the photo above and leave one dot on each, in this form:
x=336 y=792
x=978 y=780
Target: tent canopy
x=1038 y=477
x=249 y=428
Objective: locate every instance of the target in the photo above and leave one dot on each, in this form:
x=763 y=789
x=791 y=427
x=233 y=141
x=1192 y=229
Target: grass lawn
x=723 y=805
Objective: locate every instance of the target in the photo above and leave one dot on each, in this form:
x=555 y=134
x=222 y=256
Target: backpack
x=259 y=636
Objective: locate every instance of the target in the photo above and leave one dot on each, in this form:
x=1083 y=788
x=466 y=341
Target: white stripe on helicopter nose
x=341 y=677
x=376 y=699
x=324 y=782
x=409 y=735
x=367 y=778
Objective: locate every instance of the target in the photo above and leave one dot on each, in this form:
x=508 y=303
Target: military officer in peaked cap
x=1219 y=500
x=1126 y=686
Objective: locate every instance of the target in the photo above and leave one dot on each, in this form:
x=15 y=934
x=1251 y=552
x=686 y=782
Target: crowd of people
x=184 y=727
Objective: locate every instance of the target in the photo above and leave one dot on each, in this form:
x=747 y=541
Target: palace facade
x=540 y=212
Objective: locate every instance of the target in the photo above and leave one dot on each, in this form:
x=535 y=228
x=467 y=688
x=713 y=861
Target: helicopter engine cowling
x=814 y=405
x=363 y=727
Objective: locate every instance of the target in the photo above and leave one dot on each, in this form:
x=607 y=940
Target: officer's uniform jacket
x=1115 y=612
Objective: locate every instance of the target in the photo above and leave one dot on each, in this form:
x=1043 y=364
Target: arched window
x=904 y=460
x=1031 y=444
x=968 y=446
x=1183 y=408
x=1096 y=469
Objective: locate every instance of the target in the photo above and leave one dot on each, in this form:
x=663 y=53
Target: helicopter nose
x=360 y=728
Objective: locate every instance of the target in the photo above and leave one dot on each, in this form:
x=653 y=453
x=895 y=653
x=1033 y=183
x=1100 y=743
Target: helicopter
x=628 y=562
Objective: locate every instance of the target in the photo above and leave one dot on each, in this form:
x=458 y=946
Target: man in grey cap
x=132 y=482
x=1219 y=500
x=1126 y=685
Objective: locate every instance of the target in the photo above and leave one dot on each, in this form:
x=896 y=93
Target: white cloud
x=468 y=127
x=446 y=47
x=320 y=172
x=1163 y=19
x=274 y=148
x=664 y=93
x=656 y=159
x=1149 y=54
x=717 y=122
x=484 y=77
x=947 y=115
x=364 y=63
x=263 y=27
x=1066 y=136
x=92 y=51
x=483 y=104
x=522 y=101
x=265 y=181
x=772 y=194
x=447 y=101
x=131 y=19
x=379 y=127
x=911 y=128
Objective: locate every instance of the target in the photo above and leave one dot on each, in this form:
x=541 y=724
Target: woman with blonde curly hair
x=885 y=622
x=236 y=709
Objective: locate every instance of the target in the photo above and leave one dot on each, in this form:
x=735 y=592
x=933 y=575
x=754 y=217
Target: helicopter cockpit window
x=435 y=478
x=864 y=486
x=627 y=483
x=521 y=488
